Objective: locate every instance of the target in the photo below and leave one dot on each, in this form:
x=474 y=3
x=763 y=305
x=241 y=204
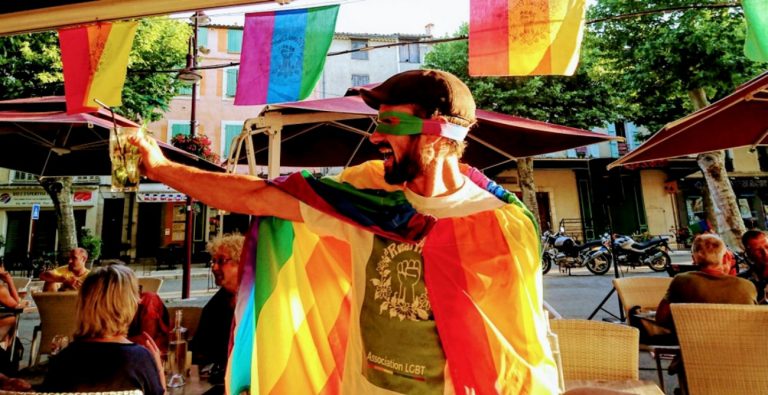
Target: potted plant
x=92 y=244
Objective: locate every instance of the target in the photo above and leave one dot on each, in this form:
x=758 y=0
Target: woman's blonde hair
x=231 y=242
x=107 y=302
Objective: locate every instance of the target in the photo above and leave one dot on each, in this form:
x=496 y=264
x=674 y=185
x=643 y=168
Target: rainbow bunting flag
x=95 y=61
x=756 y=43
x=283 y=54
x=299 y=320
x=525 y=37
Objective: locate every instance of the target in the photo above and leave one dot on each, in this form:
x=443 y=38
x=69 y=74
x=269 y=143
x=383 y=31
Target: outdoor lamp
x=188 y=75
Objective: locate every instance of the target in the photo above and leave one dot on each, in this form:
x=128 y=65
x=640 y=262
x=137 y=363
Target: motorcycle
x=654 y=252
x=566 y=253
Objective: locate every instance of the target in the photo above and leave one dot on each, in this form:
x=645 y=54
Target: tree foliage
x=30 y=65
x=577 y=101
x=654 y=60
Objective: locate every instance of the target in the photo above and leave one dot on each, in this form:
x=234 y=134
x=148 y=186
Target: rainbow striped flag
x=516 y=38
x=95 y=62
x=756 y=43
x=283 y=54
x=297 y=327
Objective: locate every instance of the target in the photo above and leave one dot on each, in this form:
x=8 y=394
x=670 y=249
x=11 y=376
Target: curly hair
x=231 y=242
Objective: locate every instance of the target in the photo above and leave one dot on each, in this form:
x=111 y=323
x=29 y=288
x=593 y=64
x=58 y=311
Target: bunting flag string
x=95 y=62
x=525 y=37
x=283 y=54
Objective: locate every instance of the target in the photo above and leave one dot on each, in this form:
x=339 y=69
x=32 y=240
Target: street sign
x=36 y=211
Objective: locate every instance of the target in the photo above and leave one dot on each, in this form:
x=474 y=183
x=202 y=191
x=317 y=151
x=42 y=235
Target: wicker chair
x=57 y=317
x=150 y=284
x=645 y=292
x=593 y=350
x=724 y=347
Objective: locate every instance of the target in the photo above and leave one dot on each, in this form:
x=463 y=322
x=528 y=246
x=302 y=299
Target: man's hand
x=152 y=156
x=5 y=276
x=73 y=282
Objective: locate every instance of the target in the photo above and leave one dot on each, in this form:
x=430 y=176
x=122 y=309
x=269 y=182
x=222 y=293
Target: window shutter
x=179 y=128
x=202 y=37
x=234 y=40
x=184 y=90
x=230 y=131
x=231 y=75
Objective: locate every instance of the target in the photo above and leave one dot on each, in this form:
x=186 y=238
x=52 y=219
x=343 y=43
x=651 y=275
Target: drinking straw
x=114 y=127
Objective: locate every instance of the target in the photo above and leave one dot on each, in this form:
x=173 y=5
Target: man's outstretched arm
x=230 y=192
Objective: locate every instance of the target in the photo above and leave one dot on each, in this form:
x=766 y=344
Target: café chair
x=57 y=317
x=594 y=350
x=600 y=357
x=724 y=347
x=150 y=284
x=645 y=293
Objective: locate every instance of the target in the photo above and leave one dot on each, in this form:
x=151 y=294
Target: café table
x=193 y=384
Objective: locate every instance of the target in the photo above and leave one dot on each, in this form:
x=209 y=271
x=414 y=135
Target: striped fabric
x=95 y=61
x=515 y=37
x=283 y=54
x=482 y=273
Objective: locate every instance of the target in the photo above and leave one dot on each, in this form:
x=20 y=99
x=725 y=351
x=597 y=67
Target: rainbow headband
x=403 y=124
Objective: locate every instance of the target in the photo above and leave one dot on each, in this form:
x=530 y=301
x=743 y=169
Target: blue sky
x=373 y=16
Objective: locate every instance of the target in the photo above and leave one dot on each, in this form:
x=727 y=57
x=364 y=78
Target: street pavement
x=573 y=296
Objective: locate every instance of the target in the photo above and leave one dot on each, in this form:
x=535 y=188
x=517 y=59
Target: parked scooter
x=566 y=253
x=654 y=252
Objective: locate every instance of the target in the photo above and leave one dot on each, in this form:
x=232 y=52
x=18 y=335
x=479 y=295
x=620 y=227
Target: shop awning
x=37 y=136
x=334 y=132
x=738 y=120
x=35 y=15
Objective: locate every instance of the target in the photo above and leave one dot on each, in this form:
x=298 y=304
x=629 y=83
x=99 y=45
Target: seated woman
x=101 y=358
x=9 y=298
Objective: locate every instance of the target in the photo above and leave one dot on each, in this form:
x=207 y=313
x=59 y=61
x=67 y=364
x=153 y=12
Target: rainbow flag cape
x=516 y=38
x=283 y=54
x=756 y=43
x=295 y=313
x=95 y=62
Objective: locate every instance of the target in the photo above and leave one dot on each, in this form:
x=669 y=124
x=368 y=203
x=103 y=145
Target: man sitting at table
x=756 y=247
x=69 y=277
x=709 y=284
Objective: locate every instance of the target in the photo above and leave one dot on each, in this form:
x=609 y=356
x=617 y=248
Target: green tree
x=579 y=101
x=670 y=64
x=30 y=65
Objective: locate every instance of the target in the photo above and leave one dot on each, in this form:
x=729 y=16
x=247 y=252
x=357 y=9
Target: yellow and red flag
x=525 y=37
x=95 y=61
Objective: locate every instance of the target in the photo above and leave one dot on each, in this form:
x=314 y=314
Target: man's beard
x=406 y=169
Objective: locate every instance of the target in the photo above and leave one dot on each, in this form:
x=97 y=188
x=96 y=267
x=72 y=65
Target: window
x=177 y=127
x=234 y=40
x=410 y=53
x=230 y=82
x=184 y=90
x=22 y=177
x=360 y=79
x=202 y=37
x=229 y=130
x=360 y=55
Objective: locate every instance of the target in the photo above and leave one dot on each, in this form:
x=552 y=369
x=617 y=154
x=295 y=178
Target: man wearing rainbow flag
x=415 y=274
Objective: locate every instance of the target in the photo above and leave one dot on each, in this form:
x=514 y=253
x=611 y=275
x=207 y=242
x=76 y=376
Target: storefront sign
x=28 y=198
x=151 y=197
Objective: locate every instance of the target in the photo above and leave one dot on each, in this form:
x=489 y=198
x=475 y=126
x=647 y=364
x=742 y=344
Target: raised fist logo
x=408 y=274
